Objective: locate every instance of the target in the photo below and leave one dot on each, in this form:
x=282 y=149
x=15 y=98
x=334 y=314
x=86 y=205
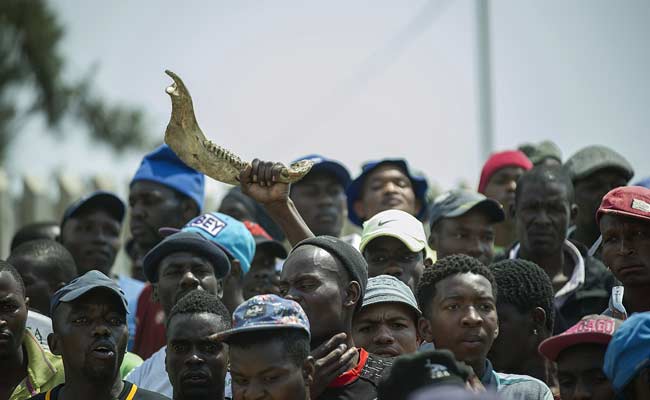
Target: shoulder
x=522 y=386
x=144 y=370
x=144 y=394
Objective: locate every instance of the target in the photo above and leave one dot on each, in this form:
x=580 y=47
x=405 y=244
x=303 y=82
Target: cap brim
x=76 y=293
x=340 y=172
x=410 y=242
x=226 y=335
x=611 y=211
x=389 y=299
x=100 y=200
x=274 y=247
x=553 y=346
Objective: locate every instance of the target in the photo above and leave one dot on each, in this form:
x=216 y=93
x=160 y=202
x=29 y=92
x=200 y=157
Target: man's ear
x=189 y=209
x=154 y=293
x=308 y=370
x=220 y=288
x=54 y=344
x=352 y=294
x=433 y=239
x=418 y=206
x=574 y=214
x=359 y=209
x=538 y=316
x=424 y=330
x=235 y=273
x=511 y=211
x=27 y=302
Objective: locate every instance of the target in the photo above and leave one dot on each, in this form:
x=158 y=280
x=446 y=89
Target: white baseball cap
x=398 y=224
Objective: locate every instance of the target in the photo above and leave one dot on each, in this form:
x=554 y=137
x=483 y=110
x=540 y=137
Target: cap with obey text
x=627 y=201
x=397 y=224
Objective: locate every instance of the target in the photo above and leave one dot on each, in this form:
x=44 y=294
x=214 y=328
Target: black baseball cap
x=455 y=203
x=83 y=284
x=96 y=200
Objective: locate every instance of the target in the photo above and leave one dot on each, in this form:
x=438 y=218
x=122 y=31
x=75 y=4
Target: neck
x=478 y=367
x=13 y=370
x=552 y=263
x=636 y=299
x=232 y=296
x=586 y=235
x=83 y=388
x=534 y=366
x=504 y=234
x=216 y=395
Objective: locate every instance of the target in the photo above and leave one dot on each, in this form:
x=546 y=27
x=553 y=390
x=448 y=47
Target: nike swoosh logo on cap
x=381 y=223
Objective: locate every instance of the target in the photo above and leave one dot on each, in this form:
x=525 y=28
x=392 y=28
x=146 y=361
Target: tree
x=30 y=60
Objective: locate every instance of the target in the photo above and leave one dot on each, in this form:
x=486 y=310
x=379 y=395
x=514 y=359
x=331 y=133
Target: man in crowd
x=457 y=296
x=626 y=360
x=25 y=367
x=393 y=242
x=90 y=333
x=386 y=185
x=579 y=353
x=182 y=262
x=195 y=364
x=164 y=192
x=33 y=231
x=544 y=209
x=594 y=170
x=387 y=323
x=526 y=314
x=243 y=208
x=499 y=181
x=269 y=350
x=542 y=153
x=264 y=276
x=320 y=196
x=464 y=222
x=624 y=220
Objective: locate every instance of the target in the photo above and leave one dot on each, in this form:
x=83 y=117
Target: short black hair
x=444 y=268
x=546 y=174
x=294 y=341
x=49 y=252
x=526 y=286
x=5 y=266
x=37 y=230
x=200 y=301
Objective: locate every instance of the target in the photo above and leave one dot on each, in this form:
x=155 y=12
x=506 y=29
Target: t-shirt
x=514 y=387
x=40 y=326
x=359 y=383
x=132 y=289
x=130 y=392
x=150 y=325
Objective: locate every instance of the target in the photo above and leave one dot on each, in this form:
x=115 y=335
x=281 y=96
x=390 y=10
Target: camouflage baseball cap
x=265 y=312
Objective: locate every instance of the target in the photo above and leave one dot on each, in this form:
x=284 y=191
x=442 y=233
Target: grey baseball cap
x=455 y=203
x=77 y=287
x=388 y=289
x=593 y=158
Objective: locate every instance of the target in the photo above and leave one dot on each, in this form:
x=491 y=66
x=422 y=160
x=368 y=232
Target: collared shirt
x=514 y=387
x=44 y=370
x=577 y=277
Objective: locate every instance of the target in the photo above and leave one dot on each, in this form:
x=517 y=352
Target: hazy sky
x=357 y=80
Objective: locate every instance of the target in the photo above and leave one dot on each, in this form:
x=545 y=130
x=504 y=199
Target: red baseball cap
x=497 y=161
x=630 y=201
x=597 y=329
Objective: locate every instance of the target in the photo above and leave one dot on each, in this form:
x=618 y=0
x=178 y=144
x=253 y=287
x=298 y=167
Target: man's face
x=310 y=276
x=13 y=316
x=471 y=233
x=236 y=209
x=387 y=187
x=182 y=272
x=590 y=192
x=580 y=373
x=387 y=255
x=502 y=185
x=195 y=364
x=626 y=249
x=265 y=371
x=543 y=214
x=41 y=281
x=91 y=334
x=93 y=239
x=262 y=278
x=153 y=206
x=514 y=333
x=386 y=329
x=320 y=200
x=462 y=318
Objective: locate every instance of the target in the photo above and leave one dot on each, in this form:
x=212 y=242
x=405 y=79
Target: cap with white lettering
x=628 y=201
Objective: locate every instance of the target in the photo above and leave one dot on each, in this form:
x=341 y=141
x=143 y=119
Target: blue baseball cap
x=265 y=312
x=97 y=200
x=353 y=191
x=628 y=351
x=83 y=284
x=164 y=167
x=229 y=234
x=328 y=165
x=185 y=241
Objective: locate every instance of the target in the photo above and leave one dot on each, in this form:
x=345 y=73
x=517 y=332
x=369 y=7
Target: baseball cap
x=459 y=202
x=629 y=201
x=388 y=289
x=411 y=372
x=328 y=165
x=264 y=241
x=191 y=242
x=229 y=234
x=266 y=312
x=629 y=351
x=96 y=200
x=596 y=329
x=398 y=224
x=83 y=284
x=497 y=161
x=593 y=158
x=164 y=167
x=538 y=152
x=353 y=191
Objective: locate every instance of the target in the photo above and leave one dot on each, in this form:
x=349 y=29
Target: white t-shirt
x=40 y=326
x=151 y=375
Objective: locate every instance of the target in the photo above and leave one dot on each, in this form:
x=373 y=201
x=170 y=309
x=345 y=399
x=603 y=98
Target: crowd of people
x=531 y=287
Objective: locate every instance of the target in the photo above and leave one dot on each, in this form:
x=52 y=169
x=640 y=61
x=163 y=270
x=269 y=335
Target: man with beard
x=182 y=262
x=90 y=333
x=196 y=365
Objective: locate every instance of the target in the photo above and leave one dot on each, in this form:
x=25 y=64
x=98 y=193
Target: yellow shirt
x=44 y=370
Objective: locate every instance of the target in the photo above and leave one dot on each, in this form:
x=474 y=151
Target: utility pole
x=484 y=79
